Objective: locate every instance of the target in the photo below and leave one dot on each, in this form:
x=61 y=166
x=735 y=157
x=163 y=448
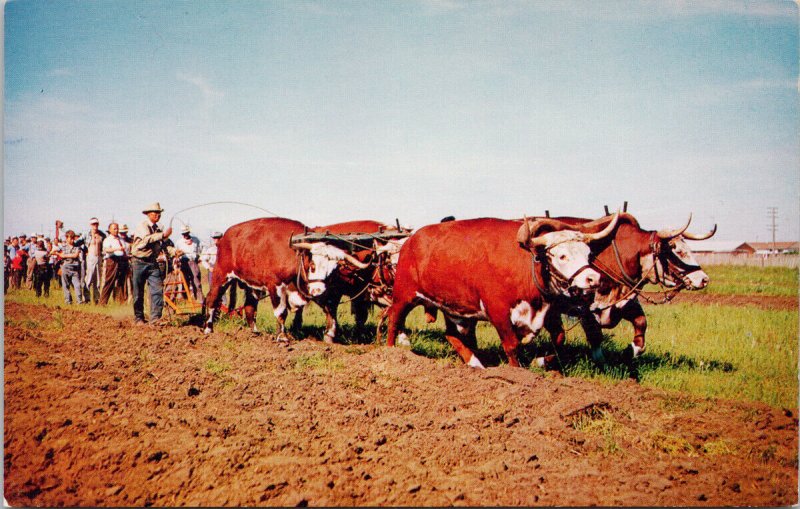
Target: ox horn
x=692 y=236
x=355 y=261
x=669 y=234
x=539 y=240
x=524 y=232
x=589 y=237
x=301 y=245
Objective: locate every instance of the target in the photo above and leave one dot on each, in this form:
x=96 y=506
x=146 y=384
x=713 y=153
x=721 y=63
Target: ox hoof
x=207 y=330
x=283 y=337
x=475 y=363
x=402 y=340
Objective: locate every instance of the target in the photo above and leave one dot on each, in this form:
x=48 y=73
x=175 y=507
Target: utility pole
x=772 y=214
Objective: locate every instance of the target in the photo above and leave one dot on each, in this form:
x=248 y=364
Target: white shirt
x=209 y=257
x=190 y=247
x=119 y=246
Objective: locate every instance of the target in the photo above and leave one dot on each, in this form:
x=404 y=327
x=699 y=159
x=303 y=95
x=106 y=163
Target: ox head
x=391 y=249
x=566 y=250
x=675 y=261
x=325 y=260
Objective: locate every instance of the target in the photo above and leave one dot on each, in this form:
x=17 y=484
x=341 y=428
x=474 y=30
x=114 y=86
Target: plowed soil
x=101 y=412
x=712 y=299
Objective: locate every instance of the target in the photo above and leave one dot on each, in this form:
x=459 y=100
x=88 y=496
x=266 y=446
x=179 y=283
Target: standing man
x=12 y=248
x=70 y=256
x=209 y=257
x=94 y=248
x=148 y=242
x=116 y=265
x=127 y=289
x=30 y=263
x=190 y=245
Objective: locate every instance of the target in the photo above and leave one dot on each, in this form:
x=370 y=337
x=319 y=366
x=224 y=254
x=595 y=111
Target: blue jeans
x=147 y=272
x=71 y=275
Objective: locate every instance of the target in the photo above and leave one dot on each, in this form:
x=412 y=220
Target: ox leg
x=360 y=309
x=555 y=328
x=500 y=318
x=297 y=322
x=250 y=305
x=594 y=335
x=232 y=294
x=218 y=285
x=634 y=313
x=510 y=342
x=456 y=334
x=395 y=320
x=330 y=306
x=430 y=313
x=278 y=299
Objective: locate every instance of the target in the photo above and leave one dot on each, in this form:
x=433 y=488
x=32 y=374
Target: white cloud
x=210 y=94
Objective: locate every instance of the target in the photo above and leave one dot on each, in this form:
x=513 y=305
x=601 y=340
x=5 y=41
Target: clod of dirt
x=156 y=456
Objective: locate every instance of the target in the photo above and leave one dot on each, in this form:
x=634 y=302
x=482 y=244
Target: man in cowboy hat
x=148 y=243
x=190 y=245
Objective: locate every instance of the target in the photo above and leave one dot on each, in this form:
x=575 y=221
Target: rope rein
x=175 y=215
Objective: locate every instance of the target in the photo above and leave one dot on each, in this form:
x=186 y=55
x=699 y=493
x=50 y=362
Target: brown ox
x=490 y=269
x=365 y=276
x=627 y=261
x=256 y=253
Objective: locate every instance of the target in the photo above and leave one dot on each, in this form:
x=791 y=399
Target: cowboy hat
x=216 y=235
x=186 y=230
x=153 y=207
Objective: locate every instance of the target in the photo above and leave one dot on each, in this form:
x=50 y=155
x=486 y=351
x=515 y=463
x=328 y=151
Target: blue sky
x=331 y=111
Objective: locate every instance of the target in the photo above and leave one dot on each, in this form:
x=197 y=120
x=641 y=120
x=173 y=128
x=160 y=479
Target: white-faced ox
x=365 y=274
x=627 y=261
x=494 y=270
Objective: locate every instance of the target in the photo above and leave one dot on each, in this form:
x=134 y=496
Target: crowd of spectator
x=97 y=265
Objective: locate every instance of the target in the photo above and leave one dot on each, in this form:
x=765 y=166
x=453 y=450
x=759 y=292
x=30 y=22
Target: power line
x=772 y=213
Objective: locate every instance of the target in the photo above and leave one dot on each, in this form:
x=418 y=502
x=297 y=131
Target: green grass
x=720 y=351
x=56 y=299
x=740 y=280
x=317 y=362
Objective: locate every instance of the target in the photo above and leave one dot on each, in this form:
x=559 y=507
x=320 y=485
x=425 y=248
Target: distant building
x=768 y=247
x=743 y=248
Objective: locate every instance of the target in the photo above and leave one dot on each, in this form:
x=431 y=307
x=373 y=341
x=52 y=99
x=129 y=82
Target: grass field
x=739 y=280
x=705 y=350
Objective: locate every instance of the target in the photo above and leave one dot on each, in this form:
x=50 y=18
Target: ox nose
x=316 y=289
x=592 y=279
